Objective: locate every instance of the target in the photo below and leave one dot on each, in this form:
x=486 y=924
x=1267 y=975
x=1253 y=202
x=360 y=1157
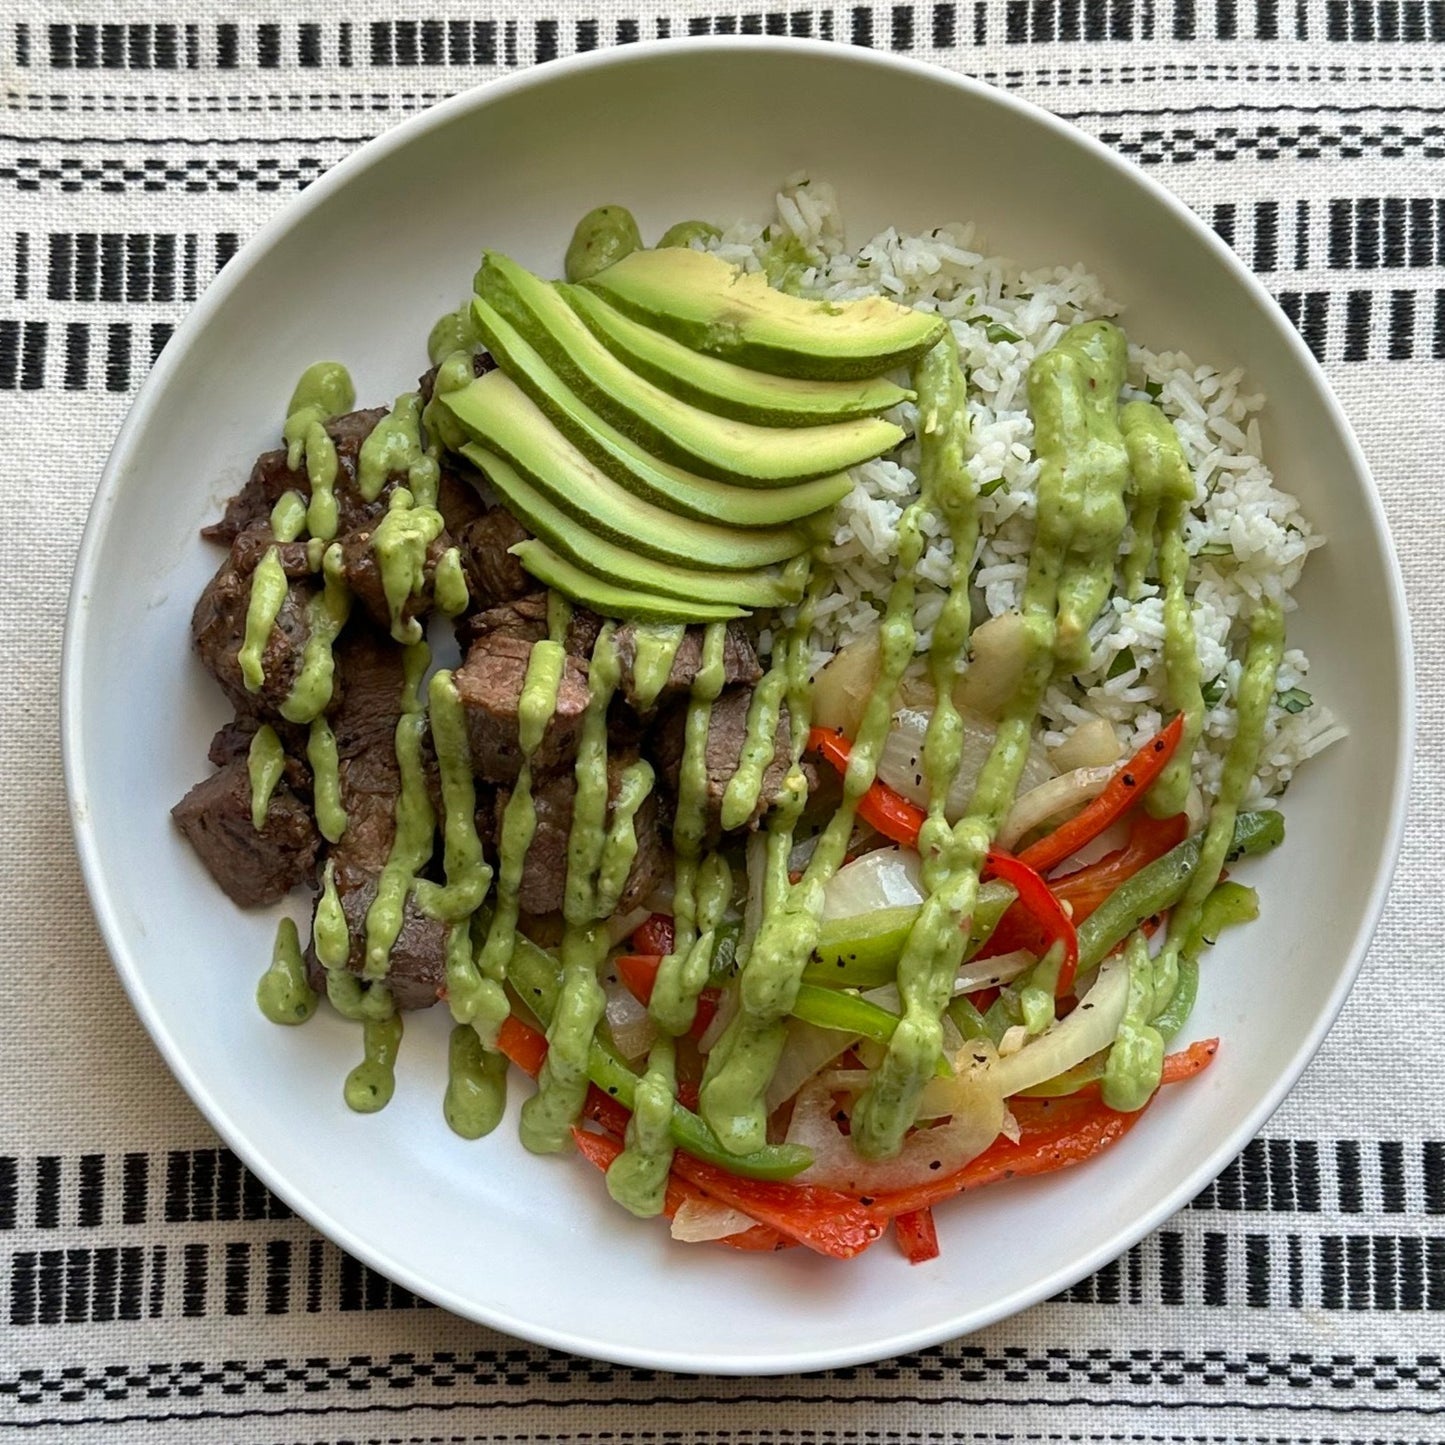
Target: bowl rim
x=73 y=656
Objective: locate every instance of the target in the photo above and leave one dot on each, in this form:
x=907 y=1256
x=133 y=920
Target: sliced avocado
x=505 y=421
x=723 y=387
x=705 y=303
x=637 y=469
x=732 y=451
x=620 y=565
x=607 y=598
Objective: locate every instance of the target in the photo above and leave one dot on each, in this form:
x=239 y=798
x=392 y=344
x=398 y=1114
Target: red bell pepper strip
x=1188 y=1062
x=825 y=1220
x=1053 y=1134
x=602 y=1149
x=1034 y=896
x=1150 y=838
x=656 y=935
x=917 y=1236
x=638 y=971
x=523 y=1045
x=1066 y=1132
x=1125 y=788
x=880 y=807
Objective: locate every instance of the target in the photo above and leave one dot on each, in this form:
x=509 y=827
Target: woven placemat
x=151 y=1290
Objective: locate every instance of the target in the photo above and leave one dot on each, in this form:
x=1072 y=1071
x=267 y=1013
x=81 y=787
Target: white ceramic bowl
x=356 y=268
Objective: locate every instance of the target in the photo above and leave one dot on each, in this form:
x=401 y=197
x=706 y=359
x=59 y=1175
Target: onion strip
x=1040 y=805
x=1091 y=1027
x=976 y=1115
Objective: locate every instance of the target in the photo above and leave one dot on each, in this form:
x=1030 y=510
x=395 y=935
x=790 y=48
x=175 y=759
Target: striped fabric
x=152 y=1290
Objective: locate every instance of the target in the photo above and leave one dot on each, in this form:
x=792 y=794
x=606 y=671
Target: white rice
x=1245 y=536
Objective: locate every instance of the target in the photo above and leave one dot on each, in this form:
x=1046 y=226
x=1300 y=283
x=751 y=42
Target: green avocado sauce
x=637 y=1177
x=284 y=995
x=288 y=516
x=684 y=233
x=1165 y=490
x=1081 y=377
x=325 y=781
x=329 y=934
x=681 y=976
x=268 y=595
x=548 y=1115
x=1103 y=468
x=411 y=846
x=655 y=648
x=310 y=694
x=604 y=235
x=265 y=763
x=456 y=331
x=476 y=1095
x=468 y=874
x=324 y=391
x=1255 y=693
x=449 y=584
x=454 y=373
x=399 y=544
x=394 y=448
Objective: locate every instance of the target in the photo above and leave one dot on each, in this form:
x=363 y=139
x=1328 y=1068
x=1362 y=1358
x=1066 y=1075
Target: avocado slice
x=706 y=303
x=730 y=450
x=620 y=565
x=724 y=387
x=637 y=469
x=504 y=420
x=610 y=600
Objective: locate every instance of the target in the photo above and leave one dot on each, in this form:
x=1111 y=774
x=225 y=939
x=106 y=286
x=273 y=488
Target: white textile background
x=151 y=1291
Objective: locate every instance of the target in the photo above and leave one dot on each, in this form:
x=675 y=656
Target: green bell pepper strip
x=966 y=1018
x=537 y=978
x=1136 y=1058
x=830 y=1008
x=1162 y=884
x=863 y=951
x=1229 y=904
x=1173 y=1018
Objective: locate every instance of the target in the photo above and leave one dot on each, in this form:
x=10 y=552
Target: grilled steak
x=252 y=867
x=726 y=733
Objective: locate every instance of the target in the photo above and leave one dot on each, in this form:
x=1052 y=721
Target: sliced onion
x=623 y=925
x=757 y=871
x=841 y=690
x=1090 y=1027
x=901 y=762
x=884 y=878
x=698 y=1220
x=1065 y=794
x=1093 y=744
x=980 y=973
x=632 y=1028
x=976 y=1113
x=1194 y=808
x=952 y=1039
x=727 y=1007
x=998 y=654
x=807 y=1050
